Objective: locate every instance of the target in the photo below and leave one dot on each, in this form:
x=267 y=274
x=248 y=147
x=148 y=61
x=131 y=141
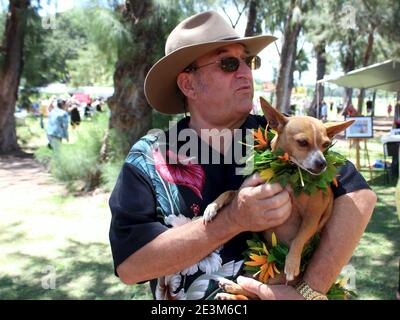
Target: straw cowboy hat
x=192 y=38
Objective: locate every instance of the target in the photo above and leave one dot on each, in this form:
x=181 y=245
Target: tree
x=10 y=71
x=284 y=84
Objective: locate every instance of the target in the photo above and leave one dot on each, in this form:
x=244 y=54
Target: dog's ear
x=275 y=119
x=333 y=128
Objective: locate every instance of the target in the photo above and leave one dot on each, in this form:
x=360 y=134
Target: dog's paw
x=292 y=267
x=228 y=296
x=210 y=212
x=229 y=286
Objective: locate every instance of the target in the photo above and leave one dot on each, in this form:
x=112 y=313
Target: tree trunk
x=320 y=54
x=251 y=19
x=10 y=72
x=367 y=55
x=291 y=76
x=373 y=103
x=131 y=116
x=130 y=113
x=292 y=30
x=349 y=65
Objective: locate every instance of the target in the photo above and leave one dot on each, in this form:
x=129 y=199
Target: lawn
x=64 y=236
x=376 y=259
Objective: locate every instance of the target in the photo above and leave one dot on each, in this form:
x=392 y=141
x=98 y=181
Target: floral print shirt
x=152 y=195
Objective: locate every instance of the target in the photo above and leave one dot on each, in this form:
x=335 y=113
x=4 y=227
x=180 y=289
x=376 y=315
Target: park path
x=23 y=179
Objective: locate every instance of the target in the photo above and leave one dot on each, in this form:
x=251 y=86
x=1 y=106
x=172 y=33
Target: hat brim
x=160 y=86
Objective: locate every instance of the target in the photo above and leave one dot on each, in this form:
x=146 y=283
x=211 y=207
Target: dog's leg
x=234 y=291
x=292 y=263
x=212 y=209
x=311 y=218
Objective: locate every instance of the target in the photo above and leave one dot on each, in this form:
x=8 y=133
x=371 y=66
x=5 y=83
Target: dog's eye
x=326 y=145
x=302 y=143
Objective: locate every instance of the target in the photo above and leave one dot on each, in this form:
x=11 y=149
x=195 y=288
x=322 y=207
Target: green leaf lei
x=285 y=171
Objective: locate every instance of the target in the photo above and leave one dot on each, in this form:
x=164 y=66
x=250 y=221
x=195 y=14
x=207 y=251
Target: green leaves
x=286 y=172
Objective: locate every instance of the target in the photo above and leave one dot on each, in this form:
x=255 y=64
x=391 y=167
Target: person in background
x=396 y=120
x=389 y=109
x=75 y=115
x=324 y=111
x=57 y=124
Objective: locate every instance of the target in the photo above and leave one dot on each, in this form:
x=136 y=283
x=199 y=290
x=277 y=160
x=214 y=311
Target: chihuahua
x=304 y=139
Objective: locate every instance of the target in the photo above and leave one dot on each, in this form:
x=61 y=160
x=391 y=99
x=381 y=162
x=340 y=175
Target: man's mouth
x=244 y=88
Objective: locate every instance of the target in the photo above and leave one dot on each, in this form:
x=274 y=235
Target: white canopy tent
x=382 y=76
x=379 y=76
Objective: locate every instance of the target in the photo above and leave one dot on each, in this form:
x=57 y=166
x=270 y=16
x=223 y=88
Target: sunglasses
x=230 y=64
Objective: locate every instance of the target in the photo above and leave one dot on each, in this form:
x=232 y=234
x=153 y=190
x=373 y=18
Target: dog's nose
x=320 y=164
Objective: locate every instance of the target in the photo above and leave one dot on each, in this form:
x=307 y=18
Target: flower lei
x=264 y=261
x=275 y=166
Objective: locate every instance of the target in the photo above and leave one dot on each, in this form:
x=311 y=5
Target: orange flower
x=335 y=183
x=285 y=157
x=267 y=269
x=262 y=140
x=257 y=260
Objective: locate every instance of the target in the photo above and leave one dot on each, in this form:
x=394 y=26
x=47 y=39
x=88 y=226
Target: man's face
x=220 y=96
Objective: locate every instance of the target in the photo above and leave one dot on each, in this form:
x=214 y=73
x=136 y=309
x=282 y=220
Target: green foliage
x=74 y=163
x=89 y=68
x=285 y=171
x=46 y=51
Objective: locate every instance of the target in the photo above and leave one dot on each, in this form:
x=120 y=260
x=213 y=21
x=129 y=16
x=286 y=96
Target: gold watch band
x=309 y=294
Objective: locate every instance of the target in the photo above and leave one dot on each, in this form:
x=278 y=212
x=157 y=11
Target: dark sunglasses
x=230 y=64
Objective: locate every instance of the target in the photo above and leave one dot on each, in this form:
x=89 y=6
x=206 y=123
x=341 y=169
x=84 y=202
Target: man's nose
x=244 y=71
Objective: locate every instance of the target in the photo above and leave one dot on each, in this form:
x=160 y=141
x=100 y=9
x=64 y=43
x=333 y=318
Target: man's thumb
x=253 y=181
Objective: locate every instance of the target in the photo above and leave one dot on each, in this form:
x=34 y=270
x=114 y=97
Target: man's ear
x=275 y=119
x=184 y=82
x=333 y=128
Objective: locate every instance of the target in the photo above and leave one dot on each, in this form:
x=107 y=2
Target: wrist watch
x=309 y=294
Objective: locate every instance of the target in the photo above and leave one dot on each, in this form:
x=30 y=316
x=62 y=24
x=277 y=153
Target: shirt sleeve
x=134 y=220
x=349 y=180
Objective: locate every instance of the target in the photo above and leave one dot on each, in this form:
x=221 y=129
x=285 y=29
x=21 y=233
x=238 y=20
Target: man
x=57 y=124
x=207 y=72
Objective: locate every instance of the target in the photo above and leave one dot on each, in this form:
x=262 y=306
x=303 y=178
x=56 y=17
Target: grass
x=65 y=234
x=376 y=258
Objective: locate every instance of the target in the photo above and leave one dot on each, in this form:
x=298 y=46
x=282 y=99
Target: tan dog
x=304 y=139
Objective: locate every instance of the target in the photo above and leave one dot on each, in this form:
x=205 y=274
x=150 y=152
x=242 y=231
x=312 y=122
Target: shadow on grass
x=83 y=271
x=376 y=259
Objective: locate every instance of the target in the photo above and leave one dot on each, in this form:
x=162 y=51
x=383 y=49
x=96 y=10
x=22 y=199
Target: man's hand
x=259 y=206
x=269 y=292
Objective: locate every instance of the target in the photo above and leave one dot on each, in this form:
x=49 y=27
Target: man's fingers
x=253 y=181
x=266 y=190
x=254 y=286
